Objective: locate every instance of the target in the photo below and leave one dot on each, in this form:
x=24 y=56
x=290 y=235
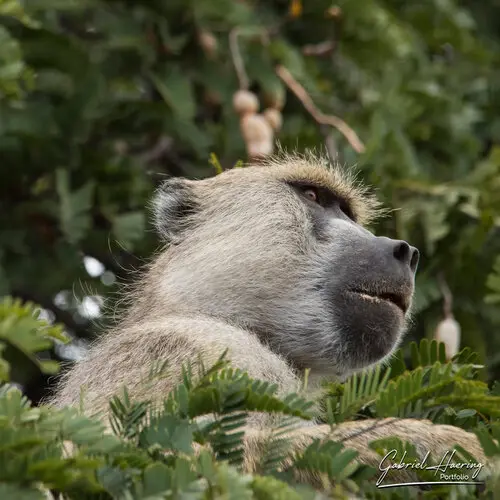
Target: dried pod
x=121 y=147
x=274 y=118
x=245 y=102
x=448 y=332
x=257 y=134
x=255 y=128
x=333 y=12
x=207 y=42
x=259 y=149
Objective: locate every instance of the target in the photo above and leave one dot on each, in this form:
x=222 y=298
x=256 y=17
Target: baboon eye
x=311 y=193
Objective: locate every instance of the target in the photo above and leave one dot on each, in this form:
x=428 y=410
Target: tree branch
x=447 y=296
x=239 y=66
x=330 y=144
x=320 y=49
x=318 y=115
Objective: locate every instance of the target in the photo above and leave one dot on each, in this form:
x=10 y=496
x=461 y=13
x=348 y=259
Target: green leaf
x=170 y=433
x=113 y=480
x=17 y=492
x=191 y=135
x=157 y=480
x=176 y=90
x=361 y=390
x=22 y=336
x=74 y=208
x=129 y=228
x=490 y=447
x=268 y=487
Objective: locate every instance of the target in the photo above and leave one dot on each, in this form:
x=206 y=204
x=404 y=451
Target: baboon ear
x=172 y=204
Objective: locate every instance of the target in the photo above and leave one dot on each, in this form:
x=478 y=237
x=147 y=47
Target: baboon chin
x=273 y=263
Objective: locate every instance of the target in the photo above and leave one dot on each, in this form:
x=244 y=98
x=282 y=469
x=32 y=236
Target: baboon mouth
x=397 y=299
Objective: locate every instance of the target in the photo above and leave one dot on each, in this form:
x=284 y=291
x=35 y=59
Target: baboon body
x=271 y=262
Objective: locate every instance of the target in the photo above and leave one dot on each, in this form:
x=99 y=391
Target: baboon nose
x=406 y=254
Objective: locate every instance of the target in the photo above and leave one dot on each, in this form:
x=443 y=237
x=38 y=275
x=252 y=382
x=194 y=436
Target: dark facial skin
x=370 y=282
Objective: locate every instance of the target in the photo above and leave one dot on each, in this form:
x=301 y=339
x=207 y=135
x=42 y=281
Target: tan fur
x=366 y=208
x=233 y=277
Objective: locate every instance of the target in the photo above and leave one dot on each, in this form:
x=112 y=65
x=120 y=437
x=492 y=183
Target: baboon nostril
x=415 y=257
x=402 y=252
x=406 y=254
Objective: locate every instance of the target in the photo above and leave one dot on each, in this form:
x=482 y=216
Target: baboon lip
x=398 y=299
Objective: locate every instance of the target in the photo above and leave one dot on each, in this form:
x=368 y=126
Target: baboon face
x=281 y=250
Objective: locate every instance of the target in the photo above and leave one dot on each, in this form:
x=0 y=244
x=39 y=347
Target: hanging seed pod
x=208 y=42
x=255 y=128
x=245 y=102
x=257 y=134
x=333 y=12
x=121 y=147
x=260 y=149
x=274 y=118
x=448 y=332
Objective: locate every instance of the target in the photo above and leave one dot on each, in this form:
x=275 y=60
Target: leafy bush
x=101 y=99
x=149 y=454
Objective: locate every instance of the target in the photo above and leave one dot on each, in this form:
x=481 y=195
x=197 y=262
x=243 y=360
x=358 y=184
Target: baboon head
x=281 y=250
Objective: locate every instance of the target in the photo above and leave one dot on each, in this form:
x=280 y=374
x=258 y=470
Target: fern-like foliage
x=330 y=459
x=209 y=408
x=359 y=391
x=276 y=446
x=427 y=386
x=191 y=446
x=22 y=335
x=427 y=353
x=415 y=393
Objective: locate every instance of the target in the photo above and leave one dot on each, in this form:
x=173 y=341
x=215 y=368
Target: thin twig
x=237 y=59
x=319 y=49
x=447 y=296
x=158 y=150
x=330 y=144
x=318 y=115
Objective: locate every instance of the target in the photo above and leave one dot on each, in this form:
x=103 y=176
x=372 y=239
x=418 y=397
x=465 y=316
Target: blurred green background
x=101 y=100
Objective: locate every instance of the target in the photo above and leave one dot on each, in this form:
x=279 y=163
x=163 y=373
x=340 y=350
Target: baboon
x=273 y=262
